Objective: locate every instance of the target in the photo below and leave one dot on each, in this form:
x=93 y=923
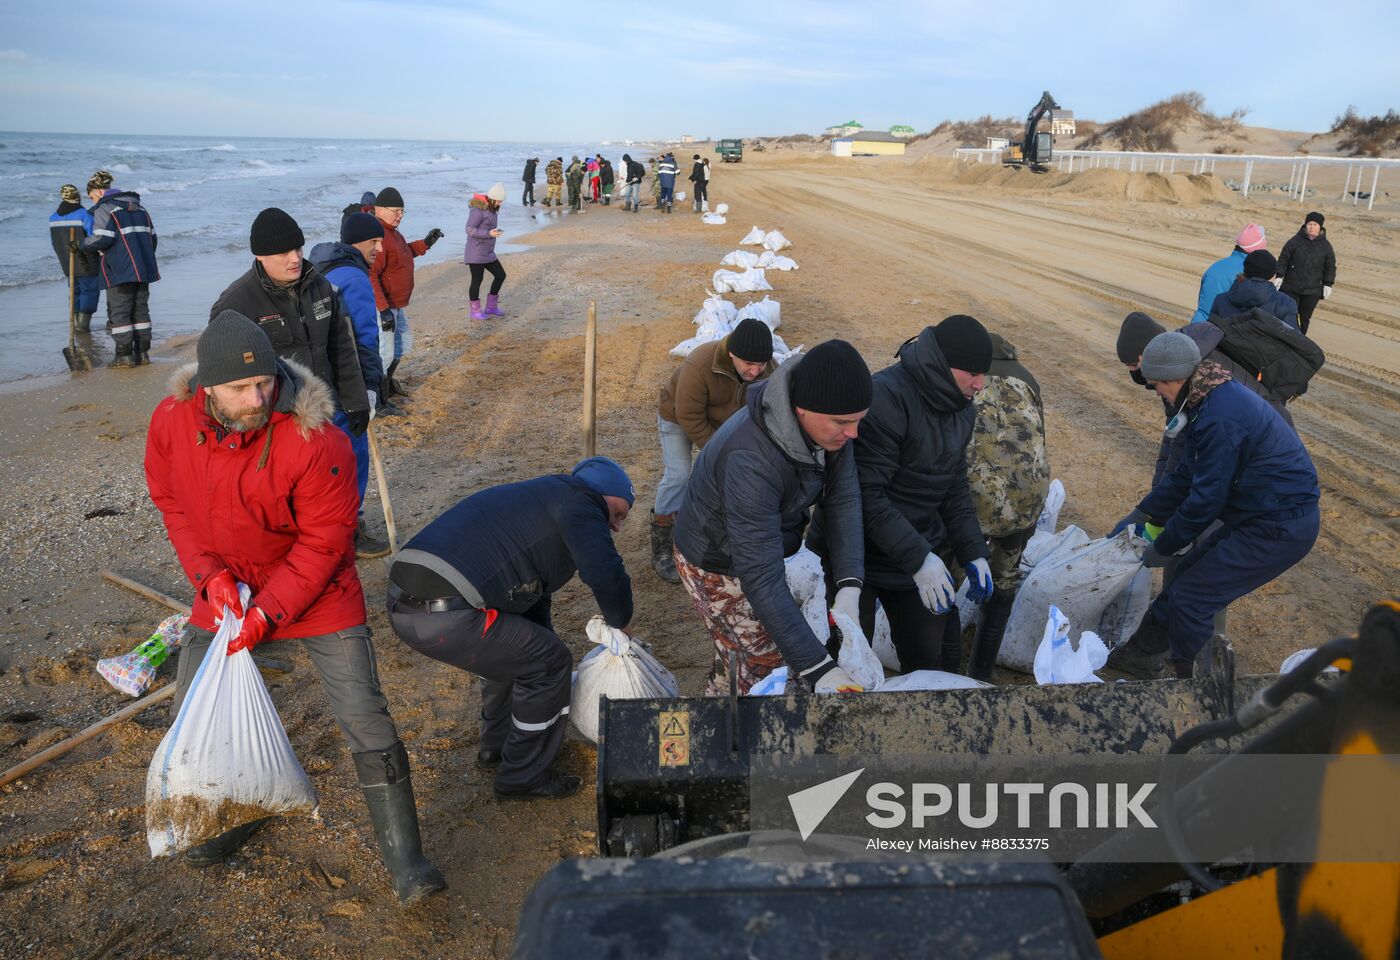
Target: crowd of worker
x=593 y=180
x=931 y=469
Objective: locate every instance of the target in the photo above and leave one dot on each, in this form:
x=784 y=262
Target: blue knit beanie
x=605 y=477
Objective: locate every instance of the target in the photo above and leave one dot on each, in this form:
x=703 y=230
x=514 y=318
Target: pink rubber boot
x=491 y=308
x=477 y=312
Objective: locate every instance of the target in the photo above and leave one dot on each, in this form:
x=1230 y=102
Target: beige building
x=868 y=143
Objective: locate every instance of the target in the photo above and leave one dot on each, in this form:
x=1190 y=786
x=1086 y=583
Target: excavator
x=687 y=870
x=1034 y=150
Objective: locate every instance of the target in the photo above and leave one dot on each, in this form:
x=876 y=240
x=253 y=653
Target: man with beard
x=257 y=487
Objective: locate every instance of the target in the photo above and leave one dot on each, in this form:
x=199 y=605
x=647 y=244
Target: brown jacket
x=704 y=391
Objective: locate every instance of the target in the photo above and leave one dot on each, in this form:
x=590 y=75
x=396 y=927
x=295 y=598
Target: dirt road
x=884 y=250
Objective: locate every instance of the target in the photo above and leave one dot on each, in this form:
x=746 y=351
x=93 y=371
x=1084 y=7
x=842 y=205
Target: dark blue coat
x=1240 y=460
x=122 y=230
x=509 y=547
x=1248 y=294
x=71 y=221
x=346 y=269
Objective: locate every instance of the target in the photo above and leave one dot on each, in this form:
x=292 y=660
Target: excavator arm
x=1028 y=142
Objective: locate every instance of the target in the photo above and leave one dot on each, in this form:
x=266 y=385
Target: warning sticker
x=673 y=726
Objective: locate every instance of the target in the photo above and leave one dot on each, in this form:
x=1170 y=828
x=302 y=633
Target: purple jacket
x=481 y=246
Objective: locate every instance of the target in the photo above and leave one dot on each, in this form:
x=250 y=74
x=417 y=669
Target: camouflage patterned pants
x=1004 y=557
x=732 y=626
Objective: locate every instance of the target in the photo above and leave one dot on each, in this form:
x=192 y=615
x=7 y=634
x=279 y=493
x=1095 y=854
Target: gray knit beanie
x=1170 y=356
x=232 y=348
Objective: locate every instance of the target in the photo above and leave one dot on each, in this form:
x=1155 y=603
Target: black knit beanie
x=274 y=231
x=1260 y=265
x=1136 y=333
x=359 y=227
x=751 y=340
x=965 y=343
x=832 y=378
x=232 y=348
x=1315 y=217
x=388 y=197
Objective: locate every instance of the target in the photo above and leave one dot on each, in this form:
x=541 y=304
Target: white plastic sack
x=781 y=351
x=1082 y=581
x=775 y=241
x=714 y=329
x=768 y=310
x=226 y=759
x=1292 y=661
x=752 y=279
x=772 y=685
x=721 y=208
x=1042 y=545
x=1054 y=500
x=714 y=219
x=680 y=196
x=619 y=668
x=856 y=656
x=806 y=581
x=743 y=259
x=1059 y=661
x=1122 y=617
x=753 y=238
x=883 y=642
x=716 y=307
x=774 y=261
x=931 y=680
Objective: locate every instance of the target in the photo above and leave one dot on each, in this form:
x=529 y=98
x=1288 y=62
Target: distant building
x=846 y=129
x=997 y=143
x=1062 y=123
x=868 y=143
x=902 y=130
x=687 y=138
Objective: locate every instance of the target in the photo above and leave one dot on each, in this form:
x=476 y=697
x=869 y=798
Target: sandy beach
x=885 y=247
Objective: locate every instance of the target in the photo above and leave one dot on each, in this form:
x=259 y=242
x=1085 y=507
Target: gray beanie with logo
x=1170 y=356
x=232 y=348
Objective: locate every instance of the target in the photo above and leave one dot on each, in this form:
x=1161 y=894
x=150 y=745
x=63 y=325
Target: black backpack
x=1280 y=356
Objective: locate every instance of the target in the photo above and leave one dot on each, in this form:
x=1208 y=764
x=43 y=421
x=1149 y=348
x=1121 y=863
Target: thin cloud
x=17 y=56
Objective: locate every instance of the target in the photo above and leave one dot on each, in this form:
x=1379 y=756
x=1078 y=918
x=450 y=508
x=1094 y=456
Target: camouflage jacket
x=1006 y=464
x=554 y=172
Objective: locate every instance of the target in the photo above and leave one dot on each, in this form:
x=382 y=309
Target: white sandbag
x=775 y=241
x=1082 y=581
x=1050 y=513
x=1043 y=545
x=752 y=279
x=773 y=261
x=883 y=642
x=753 y=238
x=806 y=581
x=931 y=680
x=768 y=310
x=1293 y=660
x=743 y=259
x=686 y=347
x=714 y=329
x=1121 y=617
x=855 y=655
x=714 y=219
x=226 y=759
x=721 y=208
x=680 y=196
x=1059 y=661
x=781 y=352
x=716 y=307
x=619 y=668
x=772 y=685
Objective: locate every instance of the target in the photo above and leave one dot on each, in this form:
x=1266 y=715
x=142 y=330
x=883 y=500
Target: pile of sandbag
x=771 y=240
x=772 y=261
x=750 y=281
x=768 y=260
x=717 y=318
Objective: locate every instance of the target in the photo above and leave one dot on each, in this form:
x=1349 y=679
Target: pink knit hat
x=1251 y=238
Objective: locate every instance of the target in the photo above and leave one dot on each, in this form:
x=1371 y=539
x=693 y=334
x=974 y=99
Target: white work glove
x=934 y=584
x=373 y=403
x=837 y=680
x=1326 y=292
x=1277 y=282
x=979 y=580
x=848 y=603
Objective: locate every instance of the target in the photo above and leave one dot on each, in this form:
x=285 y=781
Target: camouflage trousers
x=552 y=193
x=733 y=627
x=1004 y=557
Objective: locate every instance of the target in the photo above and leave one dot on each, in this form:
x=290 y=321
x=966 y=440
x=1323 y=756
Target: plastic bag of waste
x=1059 y=661
x=1054 y=500
x=1042 y=545
x=772 y=685
x=716 y=307
x=930 y=680
x=1121 y=618
x=226 y=759
x=774 y=261
x=768 y=310
x=753 y=238
x=619 y=668
x=743 y=259
x=1081 y=581
x=752 y=279
x=714 y=219
x=775 y=241
x=133 y=673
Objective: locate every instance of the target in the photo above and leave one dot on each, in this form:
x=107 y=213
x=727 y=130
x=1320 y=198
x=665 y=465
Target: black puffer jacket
x=911 y=456
x=529 y=175
x=745 y=510
x=1307 y=265
x=305 y=324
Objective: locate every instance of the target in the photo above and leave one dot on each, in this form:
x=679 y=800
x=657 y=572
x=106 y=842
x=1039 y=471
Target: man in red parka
x=257 y=486
x=392 y=278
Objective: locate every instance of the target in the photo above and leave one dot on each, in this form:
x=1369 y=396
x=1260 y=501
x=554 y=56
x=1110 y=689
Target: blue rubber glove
x=979 y=580
x=1135 y=519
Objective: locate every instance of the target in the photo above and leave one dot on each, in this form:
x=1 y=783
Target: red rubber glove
x=256 y=628
x=221 y=590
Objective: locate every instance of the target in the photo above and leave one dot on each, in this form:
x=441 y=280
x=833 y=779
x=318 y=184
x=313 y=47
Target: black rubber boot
x=368 y=546
x=487 y=758
x=1144 y=654
x=662 y=533
x=224 y=845
x=84 y=323
x=554 y=786
x=122 y=361
x=388 y=790
x=988 y=643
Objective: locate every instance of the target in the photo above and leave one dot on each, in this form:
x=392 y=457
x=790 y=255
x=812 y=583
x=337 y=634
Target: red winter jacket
x=392 y=272
x=277 y=506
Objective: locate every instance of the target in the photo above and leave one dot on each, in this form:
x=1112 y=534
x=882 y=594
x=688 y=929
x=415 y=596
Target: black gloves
x=1135 y=519
x=75 y=248
x=359 y=421
x=434 y=235
x=1152 y=558
x=386 y=319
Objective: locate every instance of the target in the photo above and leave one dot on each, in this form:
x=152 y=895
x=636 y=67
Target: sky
x=548 y=71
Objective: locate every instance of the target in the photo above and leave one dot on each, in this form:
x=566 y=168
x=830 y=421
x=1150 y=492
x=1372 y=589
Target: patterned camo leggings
x=732 y=625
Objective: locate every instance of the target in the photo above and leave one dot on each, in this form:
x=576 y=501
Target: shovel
x=76 y=357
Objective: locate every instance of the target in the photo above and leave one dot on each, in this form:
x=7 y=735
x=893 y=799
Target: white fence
x=1133 y=161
